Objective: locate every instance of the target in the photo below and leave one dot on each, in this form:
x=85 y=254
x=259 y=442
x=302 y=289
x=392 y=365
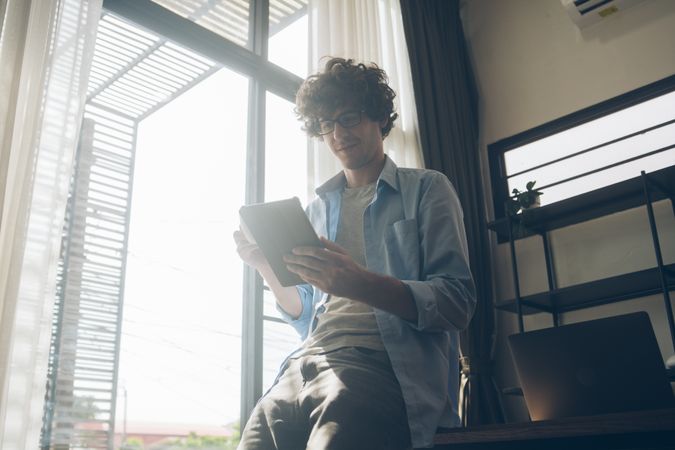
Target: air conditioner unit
x=585 y=13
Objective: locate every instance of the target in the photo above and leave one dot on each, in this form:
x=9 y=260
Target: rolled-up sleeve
x=445 y=294
x=302 y=322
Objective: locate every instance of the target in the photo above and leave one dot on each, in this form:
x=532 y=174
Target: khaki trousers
x=347 y=399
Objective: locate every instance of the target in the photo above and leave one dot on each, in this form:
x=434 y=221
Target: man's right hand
x=249 y=253
x=287 y=297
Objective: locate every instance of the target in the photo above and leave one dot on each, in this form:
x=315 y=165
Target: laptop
x=601 y=366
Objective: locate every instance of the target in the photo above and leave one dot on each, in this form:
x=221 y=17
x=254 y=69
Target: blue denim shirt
x=414 y=231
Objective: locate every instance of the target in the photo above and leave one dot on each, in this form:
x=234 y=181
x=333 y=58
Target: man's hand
x=248 y=252
x=287 y=297
x=331 y=269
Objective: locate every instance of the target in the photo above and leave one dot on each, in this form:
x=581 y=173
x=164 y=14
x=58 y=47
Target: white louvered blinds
x=230 y=18
x=80 y=405
x=133 y=74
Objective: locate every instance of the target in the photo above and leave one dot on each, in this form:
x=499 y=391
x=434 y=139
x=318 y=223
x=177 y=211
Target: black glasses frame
x=339 y=119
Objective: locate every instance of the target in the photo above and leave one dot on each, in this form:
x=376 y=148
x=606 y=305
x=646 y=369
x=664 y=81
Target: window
x=591 y=149
x=287 y=147
x=288 y=46
x=156 y=318
x=181 y=330
x=228 y=18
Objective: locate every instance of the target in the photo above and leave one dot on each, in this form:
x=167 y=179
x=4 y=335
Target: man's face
x=355 y=146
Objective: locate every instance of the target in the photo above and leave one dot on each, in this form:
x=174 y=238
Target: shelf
x=635 y=429
x=594 y=293
x=591 y=205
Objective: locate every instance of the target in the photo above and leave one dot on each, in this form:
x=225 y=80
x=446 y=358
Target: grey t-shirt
x=345 y=322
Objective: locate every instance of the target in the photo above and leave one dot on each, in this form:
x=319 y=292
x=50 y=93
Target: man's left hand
x=330 y=269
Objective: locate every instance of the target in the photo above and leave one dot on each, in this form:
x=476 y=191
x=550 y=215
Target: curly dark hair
x=346 y=83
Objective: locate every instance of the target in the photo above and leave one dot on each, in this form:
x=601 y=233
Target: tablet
x=277 y=228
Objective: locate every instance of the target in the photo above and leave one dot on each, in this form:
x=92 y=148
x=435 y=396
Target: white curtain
x=366 y=31
x=46 y=48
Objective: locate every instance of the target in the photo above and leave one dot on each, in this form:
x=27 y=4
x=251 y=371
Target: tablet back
x=278 y=227
x=596 y=367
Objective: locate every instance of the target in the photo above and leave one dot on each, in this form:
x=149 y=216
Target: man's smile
x=347 y=147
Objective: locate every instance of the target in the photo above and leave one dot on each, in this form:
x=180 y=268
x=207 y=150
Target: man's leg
x=354 y=402
x=275 y=423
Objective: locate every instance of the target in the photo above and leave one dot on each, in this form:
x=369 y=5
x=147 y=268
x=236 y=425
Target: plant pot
x=535 y=204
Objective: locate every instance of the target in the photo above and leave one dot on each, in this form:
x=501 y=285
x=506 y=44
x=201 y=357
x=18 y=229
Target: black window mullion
x=259 y=27
x=252 y=308
x=252 y=329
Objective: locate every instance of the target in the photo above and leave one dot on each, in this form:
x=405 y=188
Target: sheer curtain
x=367 y=31
x=46 y=48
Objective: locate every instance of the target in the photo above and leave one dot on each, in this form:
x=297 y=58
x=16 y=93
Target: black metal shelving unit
x=642 y=190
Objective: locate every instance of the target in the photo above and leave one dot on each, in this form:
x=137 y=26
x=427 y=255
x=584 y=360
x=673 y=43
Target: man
x=385 y=299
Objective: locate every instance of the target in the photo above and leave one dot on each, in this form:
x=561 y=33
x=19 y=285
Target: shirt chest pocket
x=402 y=249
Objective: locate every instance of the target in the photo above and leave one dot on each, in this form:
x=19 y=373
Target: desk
x=654 y=429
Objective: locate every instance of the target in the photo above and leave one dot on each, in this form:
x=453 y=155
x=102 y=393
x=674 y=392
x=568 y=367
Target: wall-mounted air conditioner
x=585 y=13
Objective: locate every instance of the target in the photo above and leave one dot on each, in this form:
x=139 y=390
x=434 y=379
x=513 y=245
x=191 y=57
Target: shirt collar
x=388 y=174
x=339 y=181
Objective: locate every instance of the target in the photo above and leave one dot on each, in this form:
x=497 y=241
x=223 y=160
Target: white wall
x=534 y=65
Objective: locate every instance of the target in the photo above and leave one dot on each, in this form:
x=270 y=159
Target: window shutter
x=82 y=377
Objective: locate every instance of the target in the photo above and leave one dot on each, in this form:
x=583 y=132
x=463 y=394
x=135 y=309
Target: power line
x=186 y=326
x=172 y=345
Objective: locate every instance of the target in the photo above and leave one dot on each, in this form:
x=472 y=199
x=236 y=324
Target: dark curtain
x=447 y=108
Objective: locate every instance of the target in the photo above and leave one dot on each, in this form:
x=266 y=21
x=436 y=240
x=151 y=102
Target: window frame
x=264 y=77
x=497 y=150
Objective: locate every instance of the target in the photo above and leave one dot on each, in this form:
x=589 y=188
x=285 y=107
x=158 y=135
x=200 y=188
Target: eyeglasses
x=346 y=120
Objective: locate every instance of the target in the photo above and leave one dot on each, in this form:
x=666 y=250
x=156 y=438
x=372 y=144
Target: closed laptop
x=602 y=366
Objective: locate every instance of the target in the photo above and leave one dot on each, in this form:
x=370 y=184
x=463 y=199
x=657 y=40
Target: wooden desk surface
x=653 y=428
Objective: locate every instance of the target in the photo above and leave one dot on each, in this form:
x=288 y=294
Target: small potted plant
x=524 y=199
